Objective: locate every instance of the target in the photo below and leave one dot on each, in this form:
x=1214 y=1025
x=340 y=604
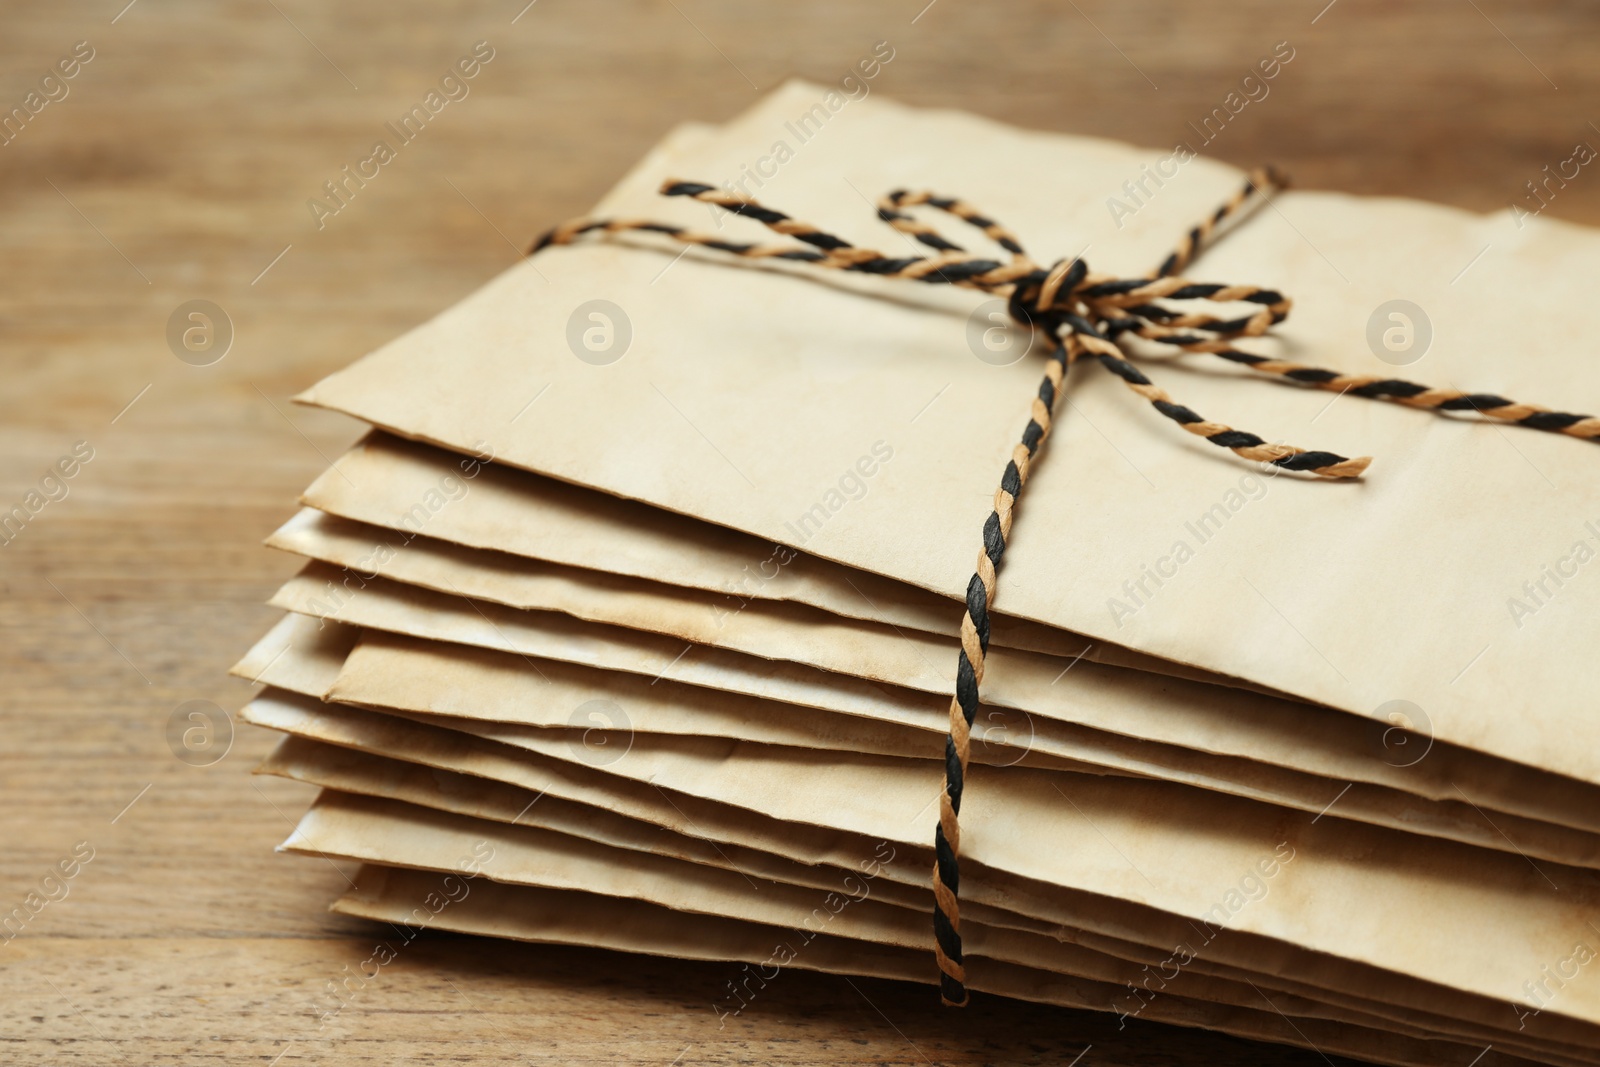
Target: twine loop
x=1087 y=317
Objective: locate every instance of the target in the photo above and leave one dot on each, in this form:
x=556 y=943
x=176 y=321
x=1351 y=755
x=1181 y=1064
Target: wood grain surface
x=177 y=167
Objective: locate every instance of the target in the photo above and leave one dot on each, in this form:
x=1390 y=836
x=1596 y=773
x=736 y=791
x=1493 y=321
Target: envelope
x=418 y=491
x=426 y=900
x=1472 y=920
x=1007 y=740
x=1329 y=979
x=430 y=681
x=400 y=834
x=358 y=772
x=753 y=397
x=1323 y=908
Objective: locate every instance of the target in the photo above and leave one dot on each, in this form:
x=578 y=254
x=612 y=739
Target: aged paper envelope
x=352 y=771
x=299 y=654
x=566 y=917
x=507 y=700
x=506 y=695
x=1150 y=707
x=394 y=833
x=415 y=489
x=1332 y=592
x=1470 y=919
x=573 y=749
x=404 y=609
x=697 y=817
x=1201 y=837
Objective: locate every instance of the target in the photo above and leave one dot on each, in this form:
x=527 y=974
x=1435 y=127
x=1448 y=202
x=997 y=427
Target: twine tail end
x=1350 y=468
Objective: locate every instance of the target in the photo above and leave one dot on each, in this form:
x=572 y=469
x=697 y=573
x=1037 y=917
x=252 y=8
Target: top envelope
x=865 y=419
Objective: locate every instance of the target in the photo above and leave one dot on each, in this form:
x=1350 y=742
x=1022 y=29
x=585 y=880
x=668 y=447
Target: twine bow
x=1084 y=315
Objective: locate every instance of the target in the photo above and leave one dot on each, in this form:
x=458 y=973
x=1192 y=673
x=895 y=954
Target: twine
x=1085 y=315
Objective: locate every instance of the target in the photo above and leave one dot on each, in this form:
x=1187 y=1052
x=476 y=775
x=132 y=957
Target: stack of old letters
x=634 y=620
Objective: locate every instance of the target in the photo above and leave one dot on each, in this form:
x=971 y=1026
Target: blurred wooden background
x=178 y=167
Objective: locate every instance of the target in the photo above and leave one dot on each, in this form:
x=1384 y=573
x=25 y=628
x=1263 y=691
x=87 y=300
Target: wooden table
x=178 y=167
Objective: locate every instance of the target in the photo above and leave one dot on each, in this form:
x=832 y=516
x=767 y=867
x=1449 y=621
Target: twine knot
x=1041 y=301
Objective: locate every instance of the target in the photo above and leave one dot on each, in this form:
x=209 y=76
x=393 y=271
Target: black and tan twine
x=1084 y=315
